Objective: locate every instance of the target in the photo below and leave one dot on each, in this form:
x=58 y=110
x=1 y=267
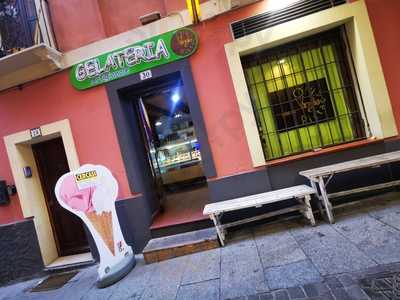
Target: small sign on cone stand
x=90 y=193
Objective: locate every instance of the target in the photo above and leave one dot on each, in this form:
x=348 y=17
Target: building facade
x=233 y=105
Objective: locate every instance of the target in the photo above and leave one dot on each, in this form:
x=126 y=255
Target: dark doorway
x=172 y=150
x=68 y=229
x=122 y=93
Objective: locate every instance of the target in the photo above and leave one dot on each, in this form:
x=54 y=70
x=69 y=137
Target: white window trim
x=366 y=61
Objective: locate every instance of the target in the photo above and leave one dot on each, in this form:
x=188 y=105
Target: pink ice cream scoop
x=80 y=200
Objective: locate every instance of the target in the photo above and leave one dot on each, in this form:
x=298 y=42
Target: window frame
x=319 y=62
x=354 y=16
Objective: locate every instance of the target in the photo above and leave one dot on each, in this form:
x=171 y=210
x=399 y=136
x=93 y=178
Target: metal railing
x=23 y=24
x=303 y=95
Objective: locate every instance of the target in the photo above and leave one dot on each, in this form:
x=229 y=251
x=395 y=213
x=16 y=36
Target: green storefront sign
x=153 y=52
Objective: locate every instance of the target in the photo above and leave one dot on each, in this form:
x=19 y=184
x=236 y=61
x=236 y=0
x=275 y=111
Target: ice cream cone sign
x=90 y=193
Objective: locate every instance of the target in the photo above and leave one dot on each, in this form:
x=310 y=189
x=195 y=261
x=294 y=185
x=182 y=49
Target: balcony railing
x=23 y=24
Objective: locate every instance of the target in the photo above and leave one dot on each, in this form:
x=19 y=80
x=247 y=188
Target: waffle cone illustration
x=103 y=225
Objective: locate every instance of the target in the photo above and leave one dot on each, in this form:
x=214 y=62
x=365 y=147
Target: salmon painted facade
x=184 y=114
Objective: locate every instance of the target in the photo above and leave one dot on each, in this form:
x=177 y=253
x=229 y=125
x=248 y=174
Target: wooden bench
x=317 y=176
x=301 y=192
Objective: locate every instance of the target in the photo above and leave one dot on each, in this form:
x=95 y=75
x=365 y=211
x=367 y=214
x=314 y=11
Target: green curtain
x=311 y=65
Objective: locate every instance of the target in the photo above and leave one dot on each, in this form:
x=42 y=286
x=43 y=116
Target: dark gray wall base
x=287 y=175
x=135 y=220
x=239 y=185
x=135 y=216
x=19 y=251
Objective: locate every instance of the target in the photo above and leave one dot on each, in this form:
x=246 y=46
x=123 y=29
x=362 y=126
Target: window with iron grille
x=303 y=95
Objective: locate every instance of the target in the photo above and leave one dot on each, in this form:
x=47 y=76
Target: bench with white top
x=318 y=176
x=301 y=192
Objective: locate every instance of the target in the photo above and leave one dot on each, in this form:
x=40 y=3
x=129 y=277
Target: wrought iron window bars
x=303 y=95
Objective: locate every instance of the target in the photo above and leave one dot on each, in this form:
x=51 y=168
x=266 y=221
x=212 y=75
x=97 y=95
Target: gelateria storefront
x=159 y=125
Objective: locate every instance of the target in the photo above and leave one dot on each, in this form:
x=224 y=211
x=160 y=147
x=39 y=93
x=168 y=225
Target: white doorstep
x=71 y=260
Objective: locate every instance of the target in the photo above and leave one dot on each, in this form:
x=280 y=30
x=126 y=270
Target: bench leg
x=327 y=204
x=218 y=227
x=321 y=211
x=309 y=212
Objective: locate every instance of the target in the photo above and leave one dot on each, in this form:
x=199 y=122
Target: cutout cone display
x=90 y=193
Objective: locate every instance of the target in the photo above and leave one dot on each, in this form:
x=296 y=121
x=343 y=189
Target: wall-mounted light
x=158 y=123
x=27 y=172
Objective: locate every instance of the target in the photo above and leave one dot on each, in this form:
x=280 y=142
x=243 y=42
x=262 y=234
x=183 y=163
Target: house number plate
x=36 y=132
x=145 y=75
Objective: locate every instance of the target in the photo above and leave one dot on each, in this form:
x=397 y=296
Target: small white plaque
x=36 y=132
x=145 y=75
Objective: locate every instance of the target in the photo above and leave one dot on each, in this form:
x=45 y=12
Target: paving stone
x=346 y=280
x=340 y=294
x=165 y=280
x=374 y=294
x=377 y=240
x=200 y=291
x=290 y=275
x=202 y=266
x=253 y=297
x=98 y=294
x=281 y=295
x=316 y=289
x=18 y=290
x=134 y=284
x=355 y=292
x=329 y=251
x=277 y=246
x=296 y=293
x=333 y=282
x=241 y=270
x=267 y=296
x=72 y=290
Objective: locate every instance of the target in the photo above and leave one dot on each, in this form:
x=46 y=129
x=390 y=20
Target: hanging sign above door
x=158 y=50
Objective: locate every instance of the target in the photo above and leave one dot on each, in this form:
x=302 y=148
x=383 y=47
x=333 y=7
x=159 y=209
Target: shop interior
x=173 y=152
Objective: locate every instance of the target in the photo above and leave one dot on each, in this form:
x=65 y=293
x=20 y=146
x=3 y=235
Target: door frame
x=30 y=192
x=124 y=117
x=129 y=136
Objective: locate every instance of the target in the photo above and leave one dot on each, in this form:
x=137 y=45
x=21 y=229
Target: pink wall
x=76 y=23
x=53 y=99
x=385 y=21
x=217 y=96
x=122 y=15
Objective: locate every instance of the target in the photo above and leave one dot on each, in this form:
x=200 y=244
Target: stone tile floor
x=286 y=260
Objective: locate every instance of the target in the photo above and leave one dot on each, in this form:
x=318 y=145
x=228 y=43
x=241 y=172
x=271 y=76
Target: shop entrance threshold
x=71 y=261
x=183 y=212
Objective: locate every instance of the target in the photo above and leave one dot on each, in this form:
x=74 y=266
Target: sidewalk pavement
x=287 y=260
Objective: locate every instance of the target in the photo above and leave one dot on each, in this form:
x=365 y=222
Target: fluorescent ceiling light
x=175 y=97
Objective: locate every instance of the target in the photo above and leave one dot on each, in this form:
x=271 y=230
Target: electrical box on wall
x=4 y=197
